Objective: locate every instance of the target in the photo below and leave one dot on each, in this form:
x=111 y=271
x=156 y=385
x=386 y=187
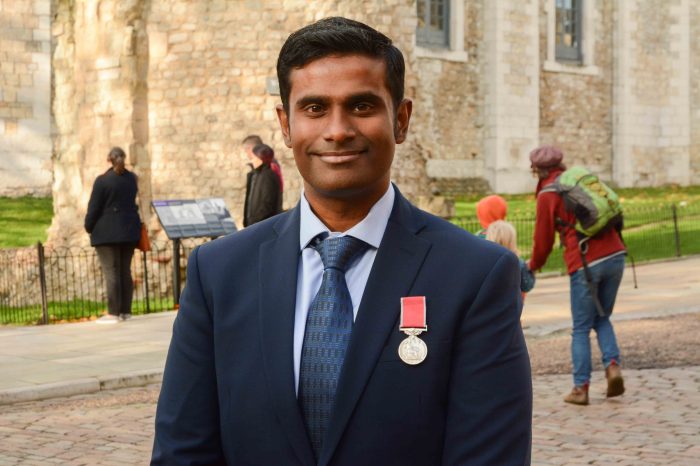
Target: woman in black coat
x=114 y=226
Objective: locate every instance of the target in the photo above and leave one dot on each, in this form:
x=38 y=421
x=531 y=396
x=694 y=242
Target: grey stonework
x=178 y=84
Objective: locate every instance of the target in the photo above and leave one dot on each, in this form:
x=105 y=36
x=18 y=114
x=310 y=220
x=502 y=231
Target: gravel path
x=644 y=344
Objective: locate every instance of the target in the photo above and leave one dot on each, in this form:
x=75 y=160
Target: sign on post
x=195 y=218
x=192 y=218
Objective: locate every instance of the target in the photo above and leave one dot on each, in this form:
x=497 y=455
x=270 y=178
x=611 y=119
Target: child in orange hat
x=490 y=209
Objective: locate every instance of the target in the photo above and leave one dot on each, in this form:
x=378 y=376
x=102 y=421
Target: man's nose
x=339 y=128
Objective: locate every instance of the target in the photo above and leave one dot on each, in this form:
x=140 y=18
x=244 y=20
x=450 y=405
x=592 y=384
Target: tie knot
x=338 y=252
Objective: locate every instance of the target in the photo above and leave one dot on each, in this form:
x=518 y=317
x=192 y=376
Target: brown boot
x=616 y=385
x=578 y=395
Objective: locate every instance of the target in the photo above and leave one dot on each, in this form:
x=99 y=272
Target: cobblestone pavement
x=656 y=422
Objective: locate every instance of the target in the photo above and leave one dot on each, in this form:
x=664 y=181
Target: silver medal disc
x=413 y=350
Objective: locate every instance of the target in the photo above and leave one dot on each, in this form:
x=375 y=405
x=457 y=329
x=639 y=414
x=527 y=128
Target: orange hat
x=490 y=209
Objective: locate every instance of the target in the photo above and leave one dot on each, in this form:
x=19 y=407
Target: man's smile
x=339 y=157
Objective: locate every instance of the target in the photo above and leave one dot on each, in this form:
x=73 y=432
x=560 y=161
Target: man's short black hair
x=339 y=36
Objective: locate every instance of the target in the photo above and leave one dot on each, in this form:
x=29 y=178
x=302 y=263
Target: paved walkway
x=664 y=288
x=69 y=359
x=655 y=422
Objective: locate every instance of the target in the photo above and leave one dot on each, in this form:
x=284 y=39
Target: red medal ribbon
x=413 y=313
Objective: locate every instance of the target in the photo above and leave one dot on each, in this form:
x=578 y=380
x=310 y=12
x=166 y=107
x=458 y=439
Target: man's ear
x=283 y=119
x=403 y=117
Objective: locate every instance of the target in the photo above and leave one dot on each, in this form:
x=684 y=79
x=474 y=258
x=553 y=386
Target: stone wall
x=510 y=78
x=695 y=93
x=576 y=100
x=447 y=126
x=180 y=83
x=100 y=100
x=25 y=94
x=651 y=92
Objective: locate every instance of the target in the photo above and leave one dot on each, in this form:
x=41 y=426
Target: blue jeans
x=607 y=276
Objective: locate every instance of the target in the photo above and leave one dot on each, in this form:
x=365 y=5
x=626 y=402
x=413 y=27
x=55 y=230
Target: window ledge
x=441 y=54
x=557 y=67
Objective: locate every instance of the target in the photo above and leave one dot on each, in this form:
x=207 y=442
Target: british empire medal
x=413 y=350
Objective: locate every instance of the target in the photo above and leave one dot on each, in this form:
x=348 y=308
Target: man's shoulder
x=245 y=241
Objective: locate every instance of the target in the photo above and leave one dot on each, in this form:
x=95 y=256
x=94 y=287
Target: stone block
x=42 y=7
x=177 y=38
x=41 y=35
x=158 y=44
x=105 y=62
x=108 y=74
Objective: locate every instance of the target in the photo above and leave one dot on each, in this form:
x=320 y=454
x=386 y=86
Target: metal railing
x=43 y=285
x=654 y=232
x=40 y=285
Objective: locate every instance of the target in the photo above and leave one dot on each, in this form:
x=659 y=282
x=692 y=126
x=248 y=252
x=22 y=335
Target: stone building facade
x=179 y=84
x=25 y=97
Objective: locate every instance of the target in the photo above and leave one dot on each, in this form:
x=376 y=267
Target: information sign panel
x=192 y=218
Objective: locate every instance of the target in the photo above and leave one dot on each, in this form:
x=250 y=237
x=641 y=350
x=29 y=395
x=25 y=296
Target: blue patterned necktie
x=328 y=329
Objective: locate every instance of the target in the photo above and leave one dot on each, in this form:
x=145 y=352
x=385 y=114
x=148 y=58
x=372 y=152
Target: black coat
x=263 y=196
x=112 y=215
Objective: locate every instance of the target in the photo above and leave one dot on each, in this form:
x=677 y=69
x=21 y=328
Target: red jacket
x=550 y=206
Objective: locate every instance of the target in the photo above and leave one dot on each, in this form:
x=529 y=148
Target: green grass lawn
x=75 y=310
x=649 y=229
x=520 y=205
x=24 y=220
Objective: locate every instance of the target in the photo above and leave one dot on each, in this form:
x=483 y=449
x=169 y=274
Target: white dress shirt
x=310 y=272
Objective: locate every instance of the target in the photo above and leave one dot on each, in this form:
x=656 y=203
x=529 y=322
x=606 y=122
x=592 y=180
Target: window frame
x=584 y=66
x=452 y=48
x=429 y=37
x=569 y=53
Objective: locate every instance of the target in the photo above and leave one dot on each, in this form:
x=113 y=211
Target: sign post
x=192 y=218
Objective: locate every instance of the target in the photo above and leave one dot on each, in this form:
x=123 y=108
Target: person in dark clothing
x=263 y=195
x=252 y=140
x=113 y=222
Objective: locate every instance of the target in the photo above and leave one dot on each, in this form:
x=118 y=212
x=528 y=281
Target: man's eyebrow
x=364 y=97
x=311 y=99
x=351 y=99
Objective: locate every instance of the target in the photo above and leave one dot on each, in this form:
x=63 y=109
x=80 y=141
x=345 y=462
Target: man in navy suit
x=239 y=386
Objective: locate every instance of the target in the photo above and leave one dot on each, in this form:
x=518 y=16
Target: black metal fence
x=43 y=285
x=652 y=232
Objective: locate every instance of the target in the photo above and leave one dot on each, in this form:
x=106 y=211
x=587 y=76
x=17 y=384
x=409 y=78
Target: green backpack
x=596 y=207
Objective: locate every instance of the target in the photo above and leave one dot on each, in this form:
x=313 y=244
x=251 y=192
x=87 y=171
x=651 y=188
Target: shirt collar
x=370 y=229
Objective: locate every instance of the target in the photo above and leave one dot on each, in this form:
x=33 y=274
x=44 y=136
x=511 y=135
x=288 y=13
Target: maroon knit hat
x=546 y=157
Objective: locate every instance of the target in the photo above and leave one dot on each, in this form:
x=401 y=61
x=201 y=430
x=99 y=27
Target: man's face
x=539 y=173
x=342 y=126
x=248 y=151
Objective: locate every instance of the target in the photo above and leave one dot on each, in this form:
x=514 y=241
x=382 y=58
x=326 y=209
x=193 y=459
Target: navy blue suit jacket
x=228 y=392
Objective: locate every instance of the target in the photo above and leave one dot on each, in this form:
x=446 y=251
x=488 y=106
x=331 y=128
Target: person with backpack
x=595 y=260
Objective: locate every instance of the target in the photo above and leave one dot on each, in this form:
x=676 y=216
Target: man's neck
x=340 y=214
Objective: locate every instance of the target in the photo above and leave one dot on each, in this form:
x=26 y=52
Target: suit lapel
x=399 y=258
x=278 y=264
